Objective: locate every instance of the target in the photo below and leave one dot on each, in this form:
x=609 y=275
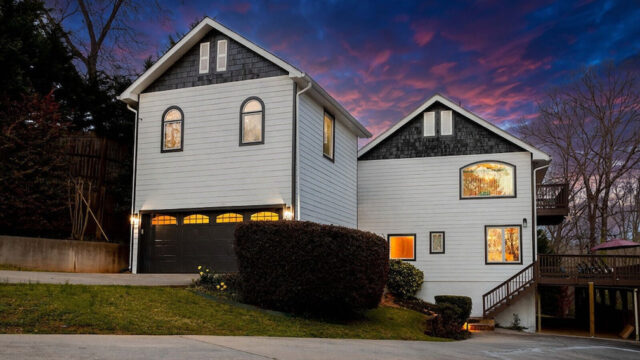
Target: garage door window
x=163 y=220
x=265 y=216
x=196 y=219
x=229 y=218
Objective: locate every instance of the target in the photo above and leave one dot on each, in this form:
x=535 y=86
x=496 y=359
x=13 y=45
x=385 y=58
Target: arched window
x=487 y=179
x=172 y=129
x=252 y=122
x=196 y=219
x=163 y=220
x=229 y=218
x=265 y=216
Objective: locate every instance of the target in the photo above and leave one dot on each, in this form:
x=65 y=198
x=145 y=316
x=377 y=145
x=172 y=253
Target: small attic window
x=204 y=58
x=430 y=123
x=446 y=122
x=221 y=58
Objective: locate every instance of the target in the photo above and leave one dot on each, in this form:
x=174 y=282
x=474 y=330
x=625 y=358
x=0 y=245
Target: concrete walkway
x=17 y=277
x=481 y=346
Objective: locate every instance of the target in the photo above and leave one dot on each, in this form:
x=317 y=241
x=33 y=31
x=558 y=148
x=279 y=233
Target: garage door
x=180 y=242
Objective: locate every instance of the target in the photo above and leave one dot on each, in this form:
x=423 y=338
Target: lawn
x=79 y=309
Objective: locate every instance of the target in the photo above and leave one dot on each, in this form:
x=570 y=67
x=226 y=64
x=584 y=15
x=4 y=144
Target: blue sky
x=382 y=59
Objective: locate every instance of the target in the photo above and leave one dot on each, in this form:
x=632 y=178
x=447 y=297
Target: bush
x=404 y=279
x=220 y=283
x=304 y=267
x=453 y=312
x=463 y=303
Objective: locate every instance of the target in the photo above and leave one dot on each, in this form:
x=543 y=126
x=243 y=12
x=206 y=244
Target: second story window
x=252 y=122
x=221 y=57
x=487 y=180
x=328 y=135
x=172 y=129
x=204 y=58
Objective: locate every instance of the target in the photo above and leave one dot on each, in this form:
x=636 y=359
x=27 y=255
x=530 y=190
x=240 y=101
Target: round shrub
x=309 y=268
x=404 y=279
x=463 y=303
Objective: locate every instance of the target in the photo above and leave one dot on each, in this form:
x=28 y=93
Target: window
x=487 y=179
x=503 y=244
x=196 y=219
x=252 y=122
x=163 y=220
x=229 y=218
x=402 y=246
x=328 y=135
x=204 y=58
x=172 y=129
x=221 y=59
x=430 y=123
x=265 y=216
x=436 y=242
x=446 y=122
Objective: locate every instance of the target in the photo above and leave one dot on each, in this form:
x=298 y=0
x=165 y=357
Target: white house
x=227 y=132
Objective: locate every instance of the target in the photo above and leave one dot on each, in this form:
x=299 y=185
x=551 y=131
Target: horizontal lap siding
x=328 y=190
x=419 y=195
x=213 y=170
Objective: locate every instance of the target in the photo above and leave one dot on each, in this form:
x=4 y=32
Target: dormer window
x=221 y=58
x=204 y=58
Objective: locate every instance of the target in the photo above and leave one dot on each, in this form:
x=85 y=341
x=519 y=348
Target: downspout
x=297 y=160
x=133 y=183
x=535 y=208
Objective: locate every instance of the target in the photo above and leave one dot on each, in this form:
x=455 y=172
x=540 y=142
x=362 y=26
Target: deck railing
x=501 y=294
x=582 y=269
x=552 y=196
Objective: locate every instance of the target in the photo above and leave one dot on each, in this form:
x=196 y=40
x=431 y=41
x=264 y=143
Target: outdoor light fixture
x=288 y=213
x=134 y=219
x=524 y=222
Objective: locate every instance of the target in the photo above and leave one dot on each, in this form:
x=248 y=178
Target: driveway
x=17 y=277
x=481 y=346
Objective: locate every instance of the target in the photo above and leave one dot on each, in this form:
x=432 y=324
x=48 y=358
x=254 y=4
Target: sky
x=381 y=60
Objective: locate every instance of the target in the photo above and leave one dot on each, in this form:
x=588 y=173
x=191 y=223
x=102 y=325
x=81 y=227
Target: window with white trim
x=221 y=57
x=446 y=122
x=430 y=123
x=204 y=58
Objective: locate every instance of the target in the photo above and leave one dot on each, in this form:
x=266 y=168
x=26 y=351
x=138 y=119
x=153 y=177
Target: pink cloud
x=442 y=69
x=422 y=35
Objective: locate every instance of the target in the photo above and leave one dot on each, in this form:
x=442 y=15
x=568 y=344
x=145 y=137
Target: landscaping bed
x=79 y=309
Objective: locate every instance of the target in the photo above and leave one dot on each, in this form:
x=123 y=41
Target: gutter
x=296 y=211
x=133 y=183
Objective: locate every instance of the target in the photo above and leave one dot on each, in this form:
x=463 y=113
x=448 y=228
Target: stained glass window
x=488 y=179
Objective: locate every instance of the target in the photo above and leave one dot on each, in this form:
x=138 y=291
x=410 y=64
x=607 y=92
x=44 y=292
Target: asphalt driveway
x=481 y=346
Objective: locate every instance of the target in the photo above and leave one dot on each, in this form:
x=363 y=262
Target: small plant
x=515 y=324
x=210 y=280
x=404 y=279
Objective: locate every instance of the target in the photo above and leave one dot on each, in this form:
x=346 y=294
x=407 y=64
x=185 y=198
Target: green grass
x=78 y=309
x=16 y=268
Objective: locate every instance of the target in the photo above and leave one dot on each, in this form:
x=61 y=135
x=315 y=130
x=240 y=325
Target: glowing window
x=487 y=179
x=163 y=220
x=196 y=219
x=252 y=121
x=265 y=216
x=402 y=247
x=229 y=218
x=172 y=127
x=503 y=244
x=328 y=135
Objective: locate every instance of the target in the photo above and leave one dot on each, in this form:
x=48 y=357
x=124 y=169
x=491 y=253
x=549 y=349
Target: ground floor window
x=503 y=244
x=402 y=246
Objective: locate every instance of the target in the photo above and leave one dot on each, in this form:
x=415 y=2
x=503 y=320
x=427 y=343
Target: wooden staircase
x=510 y=291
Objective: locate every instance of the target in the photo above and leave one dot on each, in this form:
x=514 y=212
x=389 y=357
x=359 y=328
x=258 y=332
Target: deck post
x=539 y=309
x=592 y=323
x=635 y=312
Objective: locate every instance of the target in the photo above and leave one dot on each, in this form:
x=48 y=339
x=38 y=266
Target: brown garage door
x=180 y=242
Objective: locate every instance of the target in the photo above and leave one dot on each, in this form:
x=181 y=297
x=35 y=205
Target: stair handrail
x=498 y=295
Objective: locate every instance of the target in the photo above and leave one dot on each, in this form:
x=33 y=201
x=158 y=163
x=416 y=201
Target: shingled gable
x=502 y=142
x=211 y=27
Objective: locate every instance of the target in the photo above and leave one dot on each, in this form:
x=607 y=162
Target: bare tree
x=591 y=127
x=106 y=34
x=625 y=207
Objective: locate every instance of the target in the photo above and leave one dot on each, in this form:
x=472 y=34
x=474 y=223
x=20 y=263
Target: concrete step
x=480 y=324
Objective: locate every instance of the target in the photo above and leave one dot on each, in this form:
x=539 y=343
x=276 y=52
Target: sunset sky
x=383 y=59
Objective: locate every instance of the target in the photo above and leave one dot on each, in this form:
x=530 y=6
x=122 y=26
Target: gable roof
x=537 y=153
x=130 y=95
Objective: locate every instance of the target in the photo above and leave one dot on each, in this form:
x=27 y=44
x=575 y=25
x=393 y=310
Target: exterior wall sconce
x=288 y=213
x=524 y=222
x=134 y=219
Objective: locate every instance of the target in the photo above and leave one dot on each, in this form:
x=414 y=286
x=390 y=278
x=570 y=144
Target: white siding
x=328 y=190
x=420 y=195
x=213 y=170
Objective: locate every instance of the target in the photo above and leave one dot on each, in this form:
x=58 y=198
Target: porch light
x=524 y=222
x=288 y=213
x=134 y=219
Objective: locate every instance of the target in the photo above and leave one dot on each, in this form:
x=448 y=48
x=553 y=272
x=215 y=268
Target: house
x=227 y=132
x=453 y=194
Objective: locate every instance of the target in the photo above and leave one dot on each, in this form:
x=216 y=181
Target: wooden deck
x=552 y=203
x=602 y=270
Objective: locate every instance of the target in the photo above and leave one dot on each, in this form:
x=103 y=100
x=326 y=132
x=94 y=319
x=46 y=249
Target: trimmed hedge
x=304 y=267
x=453 y=312
x=462 y=302
x=404 y=279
